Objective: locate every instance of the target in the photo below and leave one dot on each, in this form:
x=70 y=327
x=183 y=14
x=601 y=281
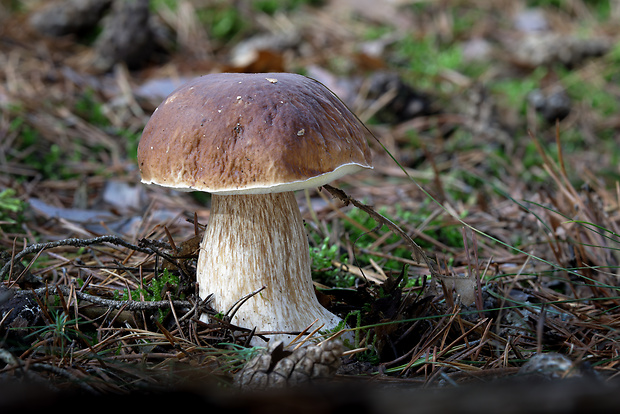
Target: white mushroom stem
x=259 y=240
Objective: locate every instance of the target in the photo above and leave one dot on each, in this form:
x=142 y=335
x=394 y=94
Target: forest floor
x=495 y=131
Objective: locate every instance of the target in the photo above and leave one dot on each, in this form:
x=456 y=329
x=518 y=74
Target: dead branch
x=130 y=305
x=74 y=242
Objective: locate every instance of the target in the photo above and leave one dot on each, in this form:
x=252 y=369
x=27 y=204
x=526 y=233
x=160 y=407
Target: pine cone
x=276 y=367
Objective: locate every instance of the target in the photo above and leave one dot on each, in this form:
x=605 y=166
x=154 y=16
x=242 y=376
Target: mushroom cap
x=242 y=133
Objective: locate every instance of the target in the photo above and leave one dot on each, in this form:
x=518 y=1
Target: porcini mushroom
x=251 y=140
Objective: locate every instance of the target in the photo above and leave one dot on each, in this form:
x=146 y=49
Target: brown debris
x=527 y=220
x=126 y=36
x=60 y=18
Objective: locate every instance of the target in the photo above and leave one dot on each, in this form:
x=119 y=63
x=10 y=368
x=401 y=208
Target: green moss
x=425 y=58
x=273 y=6
x=154 y=290
x=11 y=210
x=322 y=257
x=223 y=21
x=512 y=92
x=90 y=109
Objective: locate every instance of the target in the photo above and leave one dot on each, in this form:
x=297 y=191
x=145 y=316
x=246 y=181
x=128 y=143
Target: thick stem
x=259 y=240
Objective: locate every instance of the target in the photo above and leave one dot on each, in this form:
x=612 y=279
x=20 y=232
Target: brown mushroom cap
x=232 y=133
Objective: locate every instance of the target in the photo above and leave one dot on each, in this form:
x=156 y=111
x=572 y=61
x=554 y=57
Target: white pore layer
x=179 y=184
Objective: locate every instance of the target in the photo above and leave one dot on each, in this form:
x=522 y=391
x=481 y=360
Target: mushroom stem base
x=254 y=241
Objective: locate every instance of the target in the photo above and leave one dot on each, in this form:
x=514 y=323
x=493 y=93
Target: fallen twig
x=131 y=305
x=75 y=242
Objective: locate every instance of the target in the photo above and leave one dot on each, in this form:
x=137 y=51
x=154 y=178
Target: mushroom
x=251 y=140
